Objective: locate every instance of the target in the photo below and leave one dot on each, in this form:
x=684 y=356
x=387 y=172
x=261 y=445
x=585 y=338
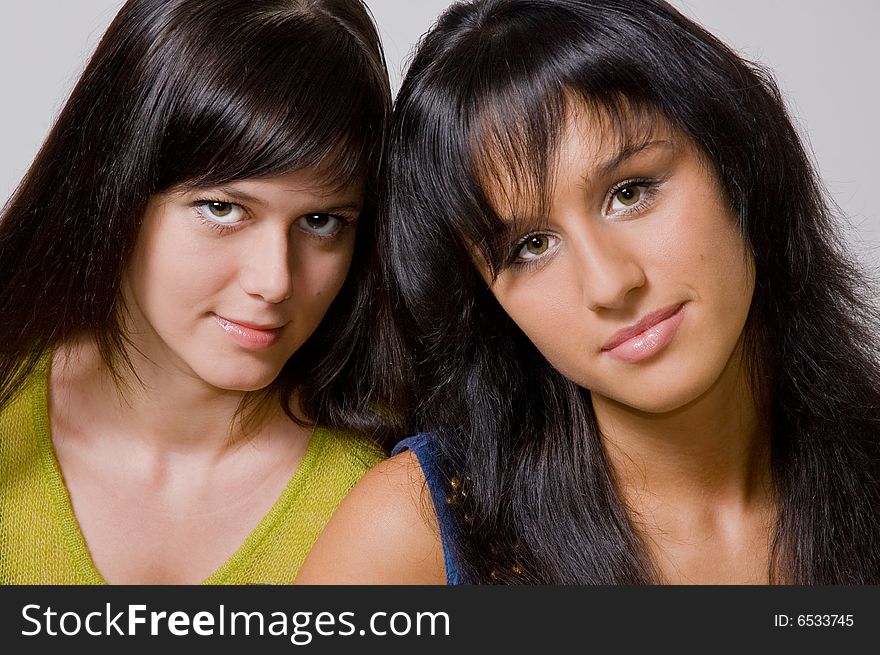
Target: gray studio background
x=823 y=53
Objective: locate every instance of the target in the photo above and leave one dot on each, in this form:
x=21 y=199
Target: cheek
x=173 y=271
x=711 y=266
x=698 y=245
x=319 y=275
x=724 y=271
x=549 y=309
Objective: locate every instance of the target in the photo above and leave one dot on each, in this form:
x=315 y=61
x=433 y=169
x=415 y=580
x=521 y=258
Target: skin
x=268 y=269
x=384 y=532
x=182 y=495
x=680 y=426
x=631 y=227
x=603 y=264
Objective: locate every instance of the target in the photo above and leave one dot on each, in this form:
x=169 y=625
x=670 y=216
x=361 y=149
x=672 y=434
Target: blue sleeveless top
x=424 y=448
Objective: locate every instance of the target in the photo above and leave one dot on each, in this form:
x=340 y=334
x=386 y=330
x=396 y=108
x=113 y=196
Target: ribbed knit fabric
x=41 y=541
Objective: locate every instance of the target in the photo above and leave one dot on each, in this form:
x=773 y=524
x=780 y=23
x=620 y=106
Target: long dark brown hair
x=197 y=93
x=536 y=500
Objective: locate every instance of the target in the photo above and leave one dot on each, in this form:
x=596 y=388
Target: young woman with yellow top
x=182 y=298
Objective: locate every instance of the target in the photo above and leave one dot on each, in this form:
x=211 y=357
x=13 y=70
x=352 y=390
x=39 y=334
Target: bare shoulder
x=384 y=532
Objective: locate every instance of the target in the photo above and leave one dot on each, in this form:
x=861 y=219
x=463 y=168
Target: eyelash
x=345 y=223
x=220 y=228
x=514 y=261
x=198 y=205
x=650 y=186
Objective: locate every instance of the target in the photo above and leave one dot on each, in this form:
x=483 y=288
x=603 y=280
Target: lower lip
x=248 y=337
x=650 y=342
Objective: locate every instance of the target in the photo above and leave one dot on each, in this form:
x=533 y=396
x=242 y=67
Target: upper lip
x=645 y=323
x=253 y=326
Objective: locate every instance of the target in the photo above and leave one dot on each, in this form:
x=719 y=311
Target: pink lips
x=647 y=337
x=252 y=337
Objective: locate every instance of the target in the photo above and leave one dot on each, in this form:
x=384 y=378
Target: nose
x=609 y=273
x=266 y=271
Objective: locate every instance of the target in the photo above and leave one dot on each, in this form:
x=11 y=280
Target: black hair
x=190 y=93
x=487 y=91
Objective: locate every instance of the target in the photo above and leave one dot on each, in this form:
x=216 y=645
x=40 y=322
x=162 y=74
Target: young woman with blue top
x=634 y=348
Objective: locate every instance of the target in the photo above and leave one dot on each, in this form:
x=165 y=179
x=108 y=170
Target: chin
x=661 y=403
x=251 y=376
x=666 y=395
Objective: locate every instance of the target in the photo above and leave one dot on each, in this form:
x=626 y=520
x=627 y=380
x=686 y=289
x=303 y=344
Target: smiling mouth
x=647 y=337
x=250 y=336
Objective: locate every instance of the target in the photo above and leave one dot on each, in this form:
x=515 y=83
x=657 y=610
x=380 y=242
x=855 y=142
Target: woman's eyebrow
x=627 y=151
x=514 y=225
x=231 y=192
x=514 y=222
x=337 y=209
x=246 y=198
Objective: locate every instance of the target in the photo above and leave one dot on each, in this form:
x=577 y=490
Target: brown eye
x=629 y=195
x=321 y=225
x=317 y=221
x=221 y=213
x=537 y=245
x=220 y=209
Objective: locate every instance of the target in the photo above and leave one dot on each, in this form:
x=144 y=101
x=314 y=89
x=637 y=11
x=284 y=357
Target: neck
x=712 y=452
x=160 y=406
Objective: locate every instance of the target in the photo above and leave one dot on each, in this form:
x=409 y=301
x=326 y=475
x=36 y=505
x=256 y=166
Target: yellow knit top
x=41 y=541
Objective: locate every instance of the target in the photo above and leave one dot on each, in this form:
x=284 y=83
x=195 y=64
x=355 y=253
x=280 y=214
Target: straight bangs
x=275 y=92
x=494 y=137
x=515 y=157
